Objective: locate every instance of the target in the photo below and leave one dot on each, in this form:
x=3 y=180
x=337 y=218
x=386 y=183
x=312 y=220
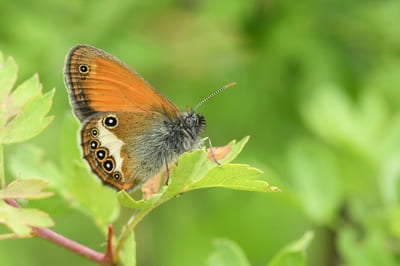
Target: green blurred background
x=318 y=90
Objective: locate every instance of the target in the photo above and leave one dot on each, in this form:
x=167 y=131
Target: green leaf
x=30 y=121
x=87 y=192
x=129 y=251
x=193 y=166
x=23 y=112
x=126 y=200
x=354 y=127
x=227 y=253
x=294 y=254
x=235 y=149
x=189 y=168
x=25 y=189
x=233 y=176
x=8 y=76
x=23 y=94
x=27 y=162
x=20 y=220
x=196 y=170
x=315 y=179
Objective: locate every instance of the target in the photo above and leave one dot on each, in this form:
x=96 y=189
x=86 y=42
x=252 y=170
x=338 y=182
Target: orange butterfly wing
x=99 y=82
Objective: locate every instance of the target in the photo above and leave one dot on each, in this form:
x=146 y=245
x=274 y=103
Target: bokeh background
x=318 y=91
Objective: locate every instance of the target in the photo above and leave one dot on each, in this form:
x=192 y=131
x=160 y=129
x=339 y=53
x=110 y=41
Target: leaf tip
x=50 y=93
x=274 y=188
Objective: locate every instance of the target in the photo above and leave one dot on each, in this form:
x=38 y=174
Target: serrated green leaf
x=25 y=189
x=233 y=176
x=193 y=166
x=22 y=113
x=30 y=121
x=8 y=76
x=88 y=193
x=235 y=149
x=35 y=166
x=28 y=90
x=20 y=220
x=126 y=200
x=294 y=254
x=28 y=162
x=227 y=253
x=196 y=170
x=129 y=250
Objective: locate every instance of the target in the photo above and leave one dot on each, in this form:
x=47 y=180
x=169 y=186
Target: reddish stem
x=108 y=256
x=69 y=244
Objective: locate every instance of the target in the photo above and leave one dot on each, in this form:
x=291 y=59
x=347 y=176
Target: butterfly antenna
x=213 y=94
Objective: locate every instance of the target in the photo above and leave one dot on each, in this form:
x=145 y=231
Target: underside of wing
x=99 y=82
x=125 y=149
x=104 y=151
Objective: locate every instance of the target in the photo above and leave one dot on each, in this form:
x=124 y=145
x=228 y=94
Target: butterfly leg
x=167 y=170
x=211 y=150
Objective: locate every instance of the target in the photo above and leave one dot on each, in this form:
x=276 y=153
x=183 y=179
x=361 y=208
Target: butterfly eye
x=94 y=132
x=108 y=165
x=110 y=121
x=83 y=69
x=189 y=121
x=94 y=144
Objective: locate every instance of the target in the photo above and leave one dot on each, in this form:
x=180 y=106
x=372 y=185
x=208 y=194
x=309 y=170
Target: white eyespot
x=110 y=121
x=83 y=69
x=94 y=132
x=117 y=175
x=101 y=154
x=108 y=165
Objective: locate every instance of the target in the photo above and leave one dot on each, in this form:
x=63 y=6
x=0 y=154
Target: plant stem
x=109 y=250
x=133 y=221
x=69 y=244
x=2 y=177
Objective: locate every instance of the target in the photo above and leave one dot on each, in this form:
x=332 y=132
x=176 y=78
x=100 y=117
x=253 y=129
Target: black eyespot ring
x=94 y=132
x=117 y=175
x=83 y=69
x=101 y=154
x=94 y=144
x=110 y=121
x=108 y=165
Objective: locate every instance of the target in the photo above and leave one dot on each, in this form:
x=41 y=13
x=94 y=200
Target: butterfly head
x=193 y=123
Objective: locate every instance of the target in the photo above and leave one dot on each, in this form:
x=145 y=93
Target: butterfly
x=129 y=131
